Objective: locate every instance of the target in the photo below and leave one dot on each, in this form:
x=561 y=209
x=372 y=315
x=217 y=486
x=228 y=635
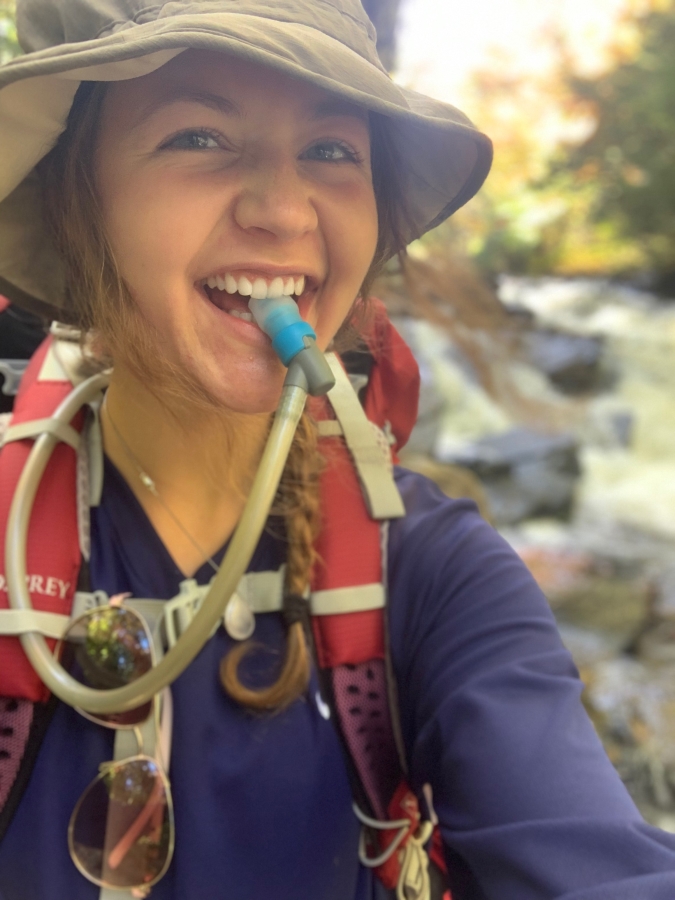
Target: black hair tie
x=294 y=609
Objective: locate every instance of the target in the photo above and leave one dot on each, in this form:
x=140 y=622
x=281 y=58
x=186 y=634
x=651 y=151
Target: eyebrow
x=336 y=106
x=325 y=109
x=191 y=95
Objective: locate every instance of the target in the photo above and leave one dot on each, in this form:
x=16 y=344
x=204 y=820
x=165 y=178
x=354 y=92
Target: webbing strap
x=329 y=428
x=21 y=621
x=63 y=361
x=347 y=600
x=380 y=492
x=33 y=429
x=262 y=592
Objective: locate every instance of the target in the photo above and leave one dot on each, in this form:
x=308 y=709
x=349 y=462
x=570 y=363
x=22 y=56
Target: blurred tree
x=522 y=220
x=630 y=156
x=383 y=14
x=9 y=46
x=571 y=189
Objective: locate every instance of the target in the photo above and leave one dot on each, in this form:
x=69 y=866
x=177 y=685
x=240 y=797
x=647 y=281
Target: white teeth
x=240 y=314
x=230 y=284
x=259 y=290
x=276 y=288
x=244 y=286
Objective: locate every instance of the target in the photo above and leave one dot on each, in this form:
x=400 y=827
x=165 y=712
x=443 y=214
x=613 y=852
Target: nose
x=275 y=199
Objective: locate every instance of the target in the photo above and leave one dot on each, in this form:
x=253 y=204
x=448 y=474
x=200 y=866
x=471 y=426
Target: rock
x=454 y=408
x=588 y=648
x=609 y=423
x=524 y=473
x=571 y=362
x=664 y=600
x=633 y=708
x=608 y=605
x=654 y=642
x=558 y=571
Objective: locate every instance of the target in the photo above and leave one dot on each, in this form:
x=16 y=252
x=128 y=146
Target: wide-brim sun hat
x=330 y=43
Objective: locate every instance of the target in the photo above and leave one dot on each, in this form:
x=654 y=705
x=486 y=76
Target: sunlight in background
x=544 y=78
x=441 y=42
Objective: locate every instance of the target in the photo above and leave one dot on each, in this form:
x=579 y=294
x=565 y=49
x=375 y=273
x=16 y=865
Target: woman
x=214 y=151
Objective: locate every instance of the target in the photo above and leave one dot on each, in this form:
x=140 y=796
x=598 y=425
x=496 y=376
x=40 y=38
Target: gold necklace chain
x=150 y=485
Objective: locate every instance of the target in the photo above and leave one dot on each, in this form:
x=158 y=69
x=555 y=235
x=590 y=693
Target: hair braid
x=298 y=503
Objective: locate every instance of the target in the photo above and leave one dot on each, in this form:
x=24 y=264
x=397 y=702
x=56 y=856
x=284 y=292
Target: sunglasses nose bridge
x=138 y=734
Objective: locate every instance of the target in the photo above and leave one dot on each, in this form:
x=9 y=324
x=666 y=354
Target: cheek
x=360 y=232
x=351 y=247
x=151 y=233
x=142 y=234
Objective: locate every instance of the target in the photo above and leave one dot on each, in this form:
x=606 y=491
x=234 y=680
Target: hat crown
x=49 y=23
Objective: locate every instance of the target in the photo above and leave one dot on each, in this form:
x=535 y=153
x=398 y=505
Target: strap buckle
x=181 y=610
x=238 y=617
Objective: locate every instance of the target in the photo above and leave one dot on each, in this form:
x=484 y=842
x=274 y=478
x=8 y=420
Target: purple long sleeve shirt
x=529 y=805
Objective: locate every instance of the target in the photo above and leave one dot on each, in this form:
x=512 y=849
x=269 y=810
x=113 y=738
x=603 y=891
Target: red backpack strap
x=351 y=646
x=392 y=396
x=53 y=552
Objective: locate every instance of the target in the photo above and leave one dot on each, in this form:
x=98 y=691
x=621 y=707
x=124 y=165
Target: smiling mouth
x=231 y=294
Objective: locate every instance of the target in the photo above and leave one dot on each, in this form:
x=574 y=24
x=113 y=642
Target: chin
x=244 y=395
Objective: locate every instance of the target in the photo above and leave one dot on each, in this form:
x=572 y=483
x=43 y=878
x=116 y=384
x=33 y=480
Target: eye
x=195 y=139
x=332 y=151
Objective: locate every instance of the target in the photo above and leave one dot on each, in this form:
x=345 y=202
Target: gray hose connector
x=316 y=370
x=243 y=544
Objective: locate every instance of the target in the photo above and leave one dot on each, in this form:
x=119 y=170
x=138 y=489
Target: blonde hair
x=101 y=304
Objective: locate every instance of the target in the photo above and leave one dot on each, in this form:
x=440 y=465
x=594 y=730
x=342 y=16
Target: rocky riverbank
x=577 y=471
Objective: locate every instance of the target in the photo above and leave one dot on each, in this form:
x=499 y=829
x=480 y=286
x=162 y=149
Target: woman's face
x=213 y=171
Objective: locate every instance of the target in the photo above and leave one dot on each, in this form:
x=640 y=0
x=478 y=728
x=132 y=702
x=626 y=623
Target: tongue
x=228 y=302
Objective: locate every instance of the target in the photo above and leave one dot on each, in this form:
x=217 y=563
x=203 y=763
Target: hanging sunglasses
x=121 y=832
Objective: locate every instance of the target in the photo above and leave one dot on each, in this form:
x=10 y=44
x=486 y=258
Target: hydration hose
x=308 y=372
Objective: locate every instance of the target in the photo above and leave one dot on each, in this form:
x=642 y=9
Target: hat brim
x=445 y=159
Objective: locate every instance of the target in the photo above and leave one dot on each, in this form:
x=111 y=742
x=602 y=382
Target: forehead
x=232 y=84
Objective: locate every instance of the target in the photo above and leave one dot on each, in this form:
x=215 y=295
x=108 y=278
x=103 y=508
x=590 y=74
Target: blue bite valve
x=293 y=340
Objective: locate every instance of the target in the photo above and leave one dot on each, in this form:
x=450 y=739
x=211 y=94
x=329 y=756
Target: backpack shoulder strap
x=368 y=447
x=357 y=489
x=53 y=552
x=53 y=560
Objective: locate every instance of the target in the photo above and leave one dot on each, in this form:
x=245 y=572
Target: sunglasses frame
x=105 y=768
x=115 y=603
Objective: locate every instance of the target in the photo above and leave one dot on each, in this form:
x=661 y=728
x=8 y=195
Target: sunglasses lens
x=109 y=648
x=121 y=832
